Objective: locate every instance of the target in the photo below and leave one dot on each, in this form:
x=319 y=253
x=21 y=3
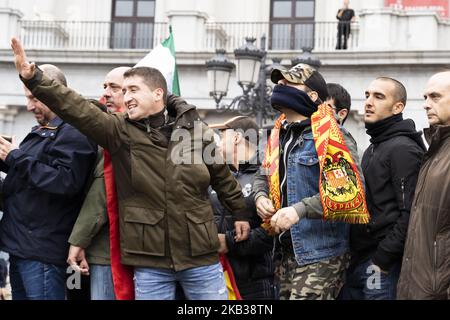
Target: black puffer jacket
x=391 y=166
x=251 y=260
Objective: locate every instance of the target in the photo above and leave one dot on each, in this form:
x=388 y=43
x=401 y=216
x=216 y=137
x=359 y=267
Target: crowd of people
x=134 y=191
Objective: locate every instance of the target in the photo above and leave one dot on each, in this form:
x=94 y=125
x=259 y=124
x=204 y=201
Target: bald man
x=89 y=241
x=425 y=272
x=112 y=86
x=42 y=195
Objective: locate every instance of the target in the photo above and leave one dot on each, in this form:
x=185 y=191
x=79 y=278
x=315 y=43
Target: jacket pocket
x=308 y=159
x=145 y=230
x=203 y=236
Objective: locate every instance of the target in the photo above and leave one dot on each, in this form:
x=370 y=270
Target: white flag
x=163 y=58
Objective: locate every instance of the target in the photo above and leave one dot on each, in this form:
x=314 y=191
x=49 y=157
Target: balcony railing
x=321 y=36
x=97 y=35
x=88 y=35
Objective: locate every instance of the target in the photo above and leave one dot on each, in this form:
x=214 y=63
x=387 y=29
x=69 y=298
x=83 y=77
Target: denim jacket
x=313 y=239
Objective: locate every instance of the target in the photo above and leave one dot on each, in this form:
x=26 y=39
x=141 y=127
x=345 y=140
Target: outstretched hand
x=25 y=69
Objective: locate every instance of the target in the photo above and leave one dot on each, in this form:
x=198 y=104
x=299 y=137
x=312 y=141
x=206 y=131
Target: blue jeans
x=364 y=283
x=102 y=286
x=34 y=280
x=199 y=283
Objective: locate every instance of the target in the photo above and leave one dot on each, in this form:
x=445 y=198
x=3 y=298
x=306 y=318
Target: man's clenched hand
x=284 y=219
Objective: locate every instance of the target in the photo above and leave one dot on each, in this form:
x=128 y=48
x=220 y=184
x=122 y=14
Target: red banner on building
x=440 y=6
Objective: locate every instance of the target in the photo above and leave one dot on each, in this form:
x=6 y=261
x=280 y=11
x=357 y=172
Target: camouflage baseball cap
x=302 y=74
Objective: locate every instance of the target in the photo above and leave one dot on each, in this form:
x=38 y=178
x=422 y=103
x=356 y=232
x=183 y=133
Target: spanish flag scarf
x=230 y=281
x=340 y=187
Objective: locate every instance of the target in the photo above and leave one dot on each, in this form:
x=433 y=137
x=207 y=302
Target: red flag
x=233 y=291
x=122 y=275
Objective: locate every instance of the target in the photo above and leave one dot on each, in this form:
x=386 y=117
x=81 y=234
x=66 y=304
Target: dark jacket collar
x=251 y=166
x=55 y=122
x=52 y=125
x=178 y=109
x=395 y=127
x=435 y=136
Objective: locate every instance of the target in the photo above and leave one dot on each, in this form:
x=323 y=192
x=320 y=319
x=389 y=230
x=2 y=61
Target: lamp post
x=308 y=58
x=251 y=75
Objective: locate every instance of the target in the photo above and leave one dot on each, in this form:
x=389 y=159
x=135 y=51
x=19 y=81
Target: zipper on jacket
x=403 y=191
x=147 y=125
x=435 y=265
x=435 y=253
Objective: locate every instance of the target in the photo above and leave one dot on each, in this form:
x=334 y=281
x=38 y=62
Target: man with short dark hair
x=340 y=100
x=390 y=165
x=42 y=195
x=167 y=230
x=251 y=260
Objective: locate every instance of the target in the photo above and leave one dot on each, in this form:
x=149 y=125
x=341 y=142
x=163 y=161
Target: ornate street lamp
x=249 y=59
x=308 y=58
x=251 y=76
x=219 y=72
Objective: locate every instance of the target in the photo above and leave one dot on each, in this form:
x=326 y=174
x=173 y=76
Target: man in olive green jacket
x=167 y=229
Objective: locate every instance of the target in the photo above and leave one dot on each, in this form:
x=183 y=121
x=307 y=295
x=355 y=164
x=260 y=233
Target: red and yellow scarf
x=341 y=191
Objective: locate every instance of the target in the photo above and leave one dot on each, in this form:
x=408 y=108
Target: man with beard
x=167 y=232
x=42 y=195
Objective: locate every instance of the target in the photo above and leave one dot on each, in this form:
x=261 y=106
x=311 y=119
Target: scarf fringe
x=352 y=218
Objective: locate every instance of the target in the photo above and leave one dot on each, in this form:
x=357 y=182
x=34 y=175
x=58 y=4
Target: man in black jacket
x=42 y=195
x=390 y=165
x=251 y=259
x=345 y=16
